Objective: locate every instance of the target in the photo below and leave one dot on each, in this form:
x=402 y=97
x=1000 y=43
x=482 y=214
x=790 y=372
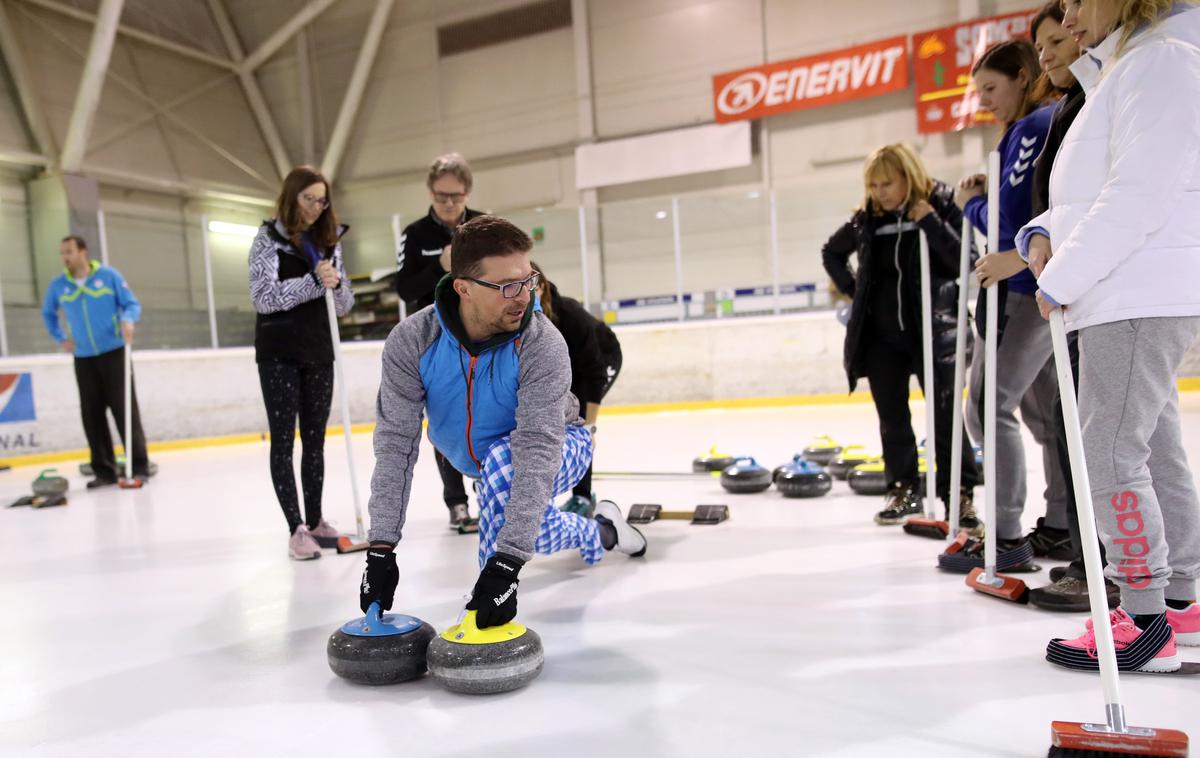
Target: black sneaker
x=1069 y=594
x=902 y=502
x=99 y=482
x=1051 y=543
x=1010 y=558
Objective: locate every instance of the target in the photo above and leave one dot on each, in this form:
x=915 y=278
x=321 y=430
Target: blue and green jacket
x=94 y=309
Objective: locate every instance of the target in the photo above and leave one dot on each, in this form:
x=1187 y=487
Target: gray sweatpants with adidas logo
x=1147 y=509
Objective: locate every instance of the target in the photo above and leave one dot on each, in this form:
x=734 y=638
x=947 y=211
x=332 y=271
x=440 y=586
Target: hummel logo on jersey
x=1028 y=141
x=501 y=600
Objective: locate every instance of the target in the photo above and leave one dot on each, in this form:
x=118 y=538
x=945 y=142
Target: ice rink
x=171 y=621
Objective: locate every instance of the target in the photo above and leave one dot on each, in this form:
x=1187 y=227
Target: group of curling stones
x=810 y=473
x=390 y=648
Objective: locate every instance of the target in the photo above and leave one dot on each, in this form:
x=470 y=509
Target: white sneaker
x=629 y=540
x=302 y=546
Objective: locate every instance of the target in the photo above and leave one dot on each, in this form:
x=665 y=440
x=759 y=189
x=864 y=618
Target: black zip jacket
x=857 y=236
x=591 y=344
x=417 y=268
x=1064 y=115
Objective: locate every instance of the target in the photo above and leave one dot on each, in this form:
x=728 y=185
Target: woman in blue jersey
x=1005 y=78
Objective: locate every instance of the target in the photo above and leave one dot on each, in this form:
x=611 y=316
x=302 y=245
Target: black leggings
x=291 y=389
x=889 y=366
x=584 y=488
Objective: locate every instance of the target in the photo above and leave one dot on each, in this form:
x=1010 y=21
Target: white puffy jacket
x=1124 y=218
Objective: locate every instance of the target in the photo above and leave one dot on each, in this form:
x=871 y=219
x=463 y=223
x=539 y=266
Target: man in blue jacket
x=493 y=376
x=101 y=310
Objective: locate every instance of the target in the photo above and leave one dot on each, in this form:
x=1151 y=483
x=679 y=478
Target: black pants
x=889 y=364
x=1064 y=457
x=453 y=491
x=584 y=488
x=101 y=381
x=291 y=390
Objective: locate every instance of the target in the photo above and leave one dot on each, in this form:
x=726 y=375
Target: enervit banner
x=943 y=58
x=818 y=80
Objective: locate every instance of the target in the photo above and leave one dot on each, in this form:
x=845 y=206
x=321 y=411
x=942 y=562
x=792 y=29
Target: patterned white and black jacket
x=292 y=324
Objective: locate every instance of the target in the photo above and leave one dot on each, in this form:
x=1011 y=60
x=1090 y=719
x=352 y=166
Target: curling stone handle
x=374 y=615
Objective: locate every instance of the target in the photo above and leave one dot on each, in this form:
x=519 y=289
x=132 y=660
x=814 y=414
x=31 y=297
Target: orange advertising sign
x=835 y=77
x=943 y=58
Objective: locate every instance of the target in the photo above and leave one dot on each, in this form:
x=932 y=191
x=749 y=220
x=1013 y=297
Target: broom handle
x=989 y=375
x=960 y=360
x=128 y=413
x=343 y=391
x=930 y=389
x=1097 y=597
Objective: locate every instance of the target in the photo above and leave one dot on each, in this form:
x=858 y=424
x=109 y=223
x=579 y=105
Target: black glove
x=379 y=579
x=494 y=598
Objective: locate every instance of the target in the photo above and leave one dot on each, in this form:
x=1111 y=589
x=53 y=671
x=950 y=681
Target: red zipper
x=470 y=386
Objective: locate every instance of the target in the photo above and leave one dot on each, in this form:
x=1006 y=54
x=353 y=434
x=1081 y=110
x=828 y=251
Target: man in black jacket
x=421 y=262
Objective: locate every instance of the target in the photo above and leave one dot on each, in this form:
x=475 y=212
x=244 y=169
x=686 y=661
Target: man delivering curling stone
x=494 y=376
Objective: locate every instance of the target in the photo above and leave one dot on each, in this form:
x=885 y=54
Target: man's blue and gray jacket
x=94 y=309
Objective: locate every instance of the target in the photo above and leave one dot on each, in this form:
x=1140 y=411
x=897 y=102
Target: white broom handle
x=128 y=412
x=340 y=375
x=1097 y=596
x=989 y=374
x=960 y=360
x=930 y=389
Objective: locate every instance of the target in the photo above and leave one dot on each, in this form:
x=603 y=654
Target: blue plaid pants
x=559 y=530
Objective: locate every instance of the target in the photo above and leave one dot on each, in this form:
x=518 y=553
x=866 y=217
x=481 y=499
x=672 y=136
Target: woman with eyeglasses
x=295 y=258
x=595 y=363
x=422 y=261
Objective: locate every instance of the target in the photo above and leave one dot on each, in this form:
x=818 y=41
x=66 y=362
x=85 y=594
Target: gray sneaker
x=1070 y=595
x=302 y=546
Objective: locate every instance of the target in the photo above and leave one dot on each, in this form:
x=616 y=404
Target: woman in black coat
x=884 y=336
x=595 y=363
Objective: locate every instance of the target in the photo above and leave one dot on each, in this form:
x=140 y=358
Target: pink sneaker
x=325 y=535
x=1186 y=625
x=301 y=546
x=1150 y=650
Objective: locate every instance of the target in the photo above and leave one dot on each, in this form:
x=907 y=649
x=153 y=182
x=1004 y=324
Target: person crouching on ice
x=493 y=375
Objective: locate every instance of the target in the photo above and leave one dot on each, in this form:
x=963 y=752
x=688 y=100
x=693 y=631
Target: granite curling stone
x=380 y=649
x=802 y=478
x=746 y=476
x=474 y=661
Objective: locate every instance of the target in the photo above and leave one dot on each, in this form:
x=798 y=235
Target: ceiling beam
x=124 y=130
x=137 y=34
x=91 y=84
x=280 y=38
x=179 y=123
x=258 y=103
x=18 y=67
x=304 y=83
x=354 y=91
x=22 y=158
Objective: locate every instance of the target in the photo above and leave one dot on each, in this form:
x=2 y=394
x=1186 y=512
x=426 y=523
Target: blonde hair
x=889 y=162
x=1137 y=14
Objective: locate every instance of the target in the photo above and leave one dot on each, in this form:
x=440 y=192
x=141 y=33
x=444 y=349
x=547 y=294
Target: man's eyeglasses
x=449 y=197
x=310 y=201
x=511 y=289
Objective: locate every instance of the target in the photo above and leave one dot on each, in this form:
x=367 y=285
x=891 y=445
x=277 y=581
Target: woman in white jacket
x=1124 y=228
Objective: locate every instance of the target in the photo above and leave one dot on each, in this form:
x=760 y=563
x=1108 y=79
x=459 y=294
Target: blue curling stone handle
x=376 y=625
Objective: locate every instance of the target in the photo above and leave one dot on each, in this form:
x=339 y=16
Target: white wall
x=512 y=109
x=204 y=393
